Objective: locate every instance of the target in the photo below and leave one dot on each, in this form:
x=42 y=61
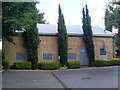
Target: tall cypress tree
x=88 y=36
x=31 y=38
x=62 y=39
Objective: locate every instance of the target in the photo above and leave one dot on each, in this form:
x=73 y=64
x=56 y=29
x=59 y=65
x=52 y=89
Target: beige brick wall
x=74 y=45
x=11 y=49
x=49 y=44
x=98 y=43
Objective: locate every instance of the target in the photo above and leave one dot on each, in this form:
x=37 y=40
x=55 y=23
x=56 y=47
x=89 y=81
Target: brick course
x=50 y=44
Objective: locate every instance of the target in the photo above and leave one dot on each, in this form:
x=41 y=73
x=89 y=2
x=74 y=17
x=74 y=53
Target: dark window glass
x=71 y=56
x=47 y=56
x=20 y=56
x=102 y=51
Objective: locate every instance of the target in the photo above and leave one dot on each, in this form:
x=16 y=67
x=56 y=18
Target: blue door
x=83 y=56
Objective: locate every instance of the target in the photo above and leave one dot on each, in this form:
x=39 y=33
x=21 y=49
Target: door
x=83 y=56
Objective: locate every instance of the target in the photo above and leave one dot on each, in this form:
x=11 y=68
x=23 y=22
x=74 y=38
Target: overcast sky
x=72 y=10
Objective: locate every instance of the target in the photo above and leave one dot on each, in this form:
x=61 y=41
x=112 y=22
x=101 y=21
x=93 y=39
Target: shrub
x=22 y=65
x=99 y=63
x=116 y=58
x=74 y=64
x=114 y=62
x=5 y=64
x=48 y=65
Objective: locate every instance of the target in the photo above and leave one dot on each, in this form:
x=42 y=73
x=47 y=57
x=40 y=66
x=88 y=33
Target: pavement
x=92 y=78
x=83 y=78
x=29 y=79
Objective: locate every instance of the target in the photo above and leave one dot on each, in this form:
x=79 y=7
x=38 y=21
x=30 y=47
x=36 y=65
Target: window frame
x=100 y=52
x=23 y=60
x=48 y=59
x=75 y=56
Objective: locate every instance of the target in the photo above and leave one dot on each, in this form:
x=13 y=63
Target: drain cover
x=86 y=78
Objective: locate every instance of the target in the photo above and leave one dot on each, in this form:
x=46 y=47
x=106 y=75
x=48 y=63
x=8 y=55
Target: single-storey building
x=48 y=47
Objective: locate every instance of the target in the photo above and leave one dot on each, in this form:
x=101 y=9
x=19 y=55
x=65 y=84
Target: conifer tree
x=112 y=19
x=31 y=37
x=87 y=36
x=62 y=39
x=19 y=15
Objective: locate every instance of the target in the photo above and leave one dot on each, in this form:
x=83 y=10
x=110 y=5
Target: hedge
x=114 y=62
x=74 y=64
x=48 y=65
x=99 y=63
x=22 y=65
x=115 y=59
x=5 y=64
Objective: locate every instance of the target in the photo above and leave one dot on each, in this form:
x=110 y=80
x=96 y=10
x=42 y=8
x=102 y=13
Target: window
x=21 y=56
x=47 y=56
x=71 y=56
x=102 y=51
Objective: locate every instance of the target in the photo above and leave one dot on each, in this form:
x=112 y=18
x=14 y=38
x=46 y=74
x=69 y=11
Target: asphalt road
x=92 y=78
x=79 y=78
x=29 y=79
